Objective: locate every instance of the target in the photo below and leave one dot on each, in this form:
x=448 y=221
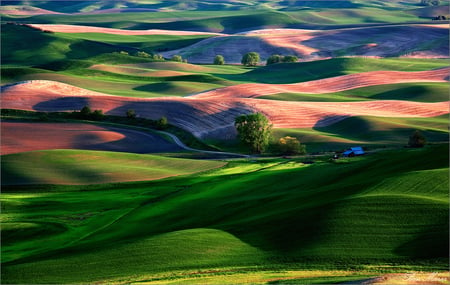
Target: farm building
x=353 y=151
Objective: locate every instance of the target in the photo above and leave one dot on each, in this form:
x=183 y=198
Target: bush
x=85 y=112
x=417 y=139
x=274 y=58
x=162 y=123
x=157 y=57
x=219 y=60
x=290 y=58
x=250 y=59
x=290 y=145
x=131 y=114
x=177 y=58
x=97 y=115
x=142 y=54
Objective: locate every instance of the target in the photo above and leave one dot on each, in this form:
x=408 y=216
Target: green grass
x=149 y=43
x=270 y=212
x=372 y=132
x=305 y=71
x=93 y=167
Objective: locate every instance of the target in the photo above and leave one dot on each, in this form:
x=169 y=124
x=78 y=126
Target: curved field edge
x=77 y=167
x=343 y=214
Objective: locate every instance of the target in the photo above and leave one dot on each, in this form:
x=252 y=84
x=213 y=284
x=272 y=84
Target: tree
x=142 y=54
x=274 y=58
x=254 y=130
x=85 y=112
x=430 y=2
x=131 y=114
x=250 y=59
x=177 y=58
x=157 y=57
x=417 y=139
x=97 y=115
x=219 y=60
x=290 y=58
x=291 y=145
x=162 y=123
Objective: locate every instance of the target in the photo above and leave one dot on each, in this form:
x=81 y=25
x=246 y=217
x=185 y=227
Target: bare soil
x=20 y=137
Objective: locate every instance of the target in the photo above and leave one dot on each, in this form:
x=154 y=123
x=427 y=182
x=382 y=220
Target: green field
x=93 y=167
x=375 y=210
x=97 y=217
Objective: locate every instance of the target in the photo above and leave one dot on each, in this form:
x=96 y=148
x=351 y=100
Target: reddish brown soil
x=379 y=41
x=91 y=29
x=328 y=85
x=213 y=114
x=19 y=137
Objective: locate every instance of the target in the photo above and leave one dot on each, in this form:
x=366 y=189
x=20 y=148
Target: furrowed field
x=121 y=164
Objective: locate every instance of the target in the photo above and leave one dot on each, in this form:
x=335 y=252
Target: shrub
x=417 y=139
x=142 y=54
x=274 y=58
x=219 y=60
x=250 y=59
x=97 y=115
x=162 y=123
x=291 y=145
x=177 y=58
x=131 y=114
x=290 y=58
x=157 y=57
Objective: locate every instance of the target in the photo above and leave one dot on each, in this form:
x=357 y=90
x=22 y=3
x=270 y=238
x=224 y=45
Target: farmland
x=153 y=186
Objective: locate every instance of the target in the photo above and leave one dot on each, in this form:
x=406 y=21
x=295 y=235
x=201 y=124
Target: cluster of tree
x=161 y=124
x=430 y=2
x=290 y=145
x=276 y=58
x=143 y=54
x=87 y=114
x=178 y=58
x=255 y=131
x=440 y=18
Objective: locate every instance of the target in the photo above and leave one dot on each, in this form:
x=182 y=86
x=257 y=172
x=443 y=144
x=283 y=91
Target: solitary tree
x=250 y=59
x=162 y=123
x=131 y=114
x=254 y=130
x=177 y=58
x=290 y=58
x=219 y=60
x=291 y=145
x=274 y=58
x=417 y=139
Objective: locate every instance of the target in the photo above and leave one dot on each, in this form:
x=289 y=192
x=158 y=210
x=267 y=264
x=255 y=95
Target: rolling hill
x=370 y=211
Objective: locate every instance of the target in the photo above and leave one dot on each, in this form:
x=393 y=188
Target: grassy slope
x=305 y=71
x=93 y=167
x=375 y=210
x=368 y=131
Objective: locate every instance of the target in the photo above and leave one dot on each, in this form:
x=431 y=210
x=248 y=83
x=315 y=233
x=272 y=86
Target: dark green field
x=72 y=216
x=388 y=208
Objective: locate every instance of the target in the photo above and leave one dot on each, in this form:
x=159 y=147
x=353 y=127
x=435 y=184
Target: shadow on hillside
x=133 y=142
x=62 y=104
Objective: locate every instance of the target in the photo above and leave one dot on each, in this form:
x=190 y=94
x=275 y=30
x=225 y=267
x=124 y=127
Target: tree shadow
x=62 y=104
